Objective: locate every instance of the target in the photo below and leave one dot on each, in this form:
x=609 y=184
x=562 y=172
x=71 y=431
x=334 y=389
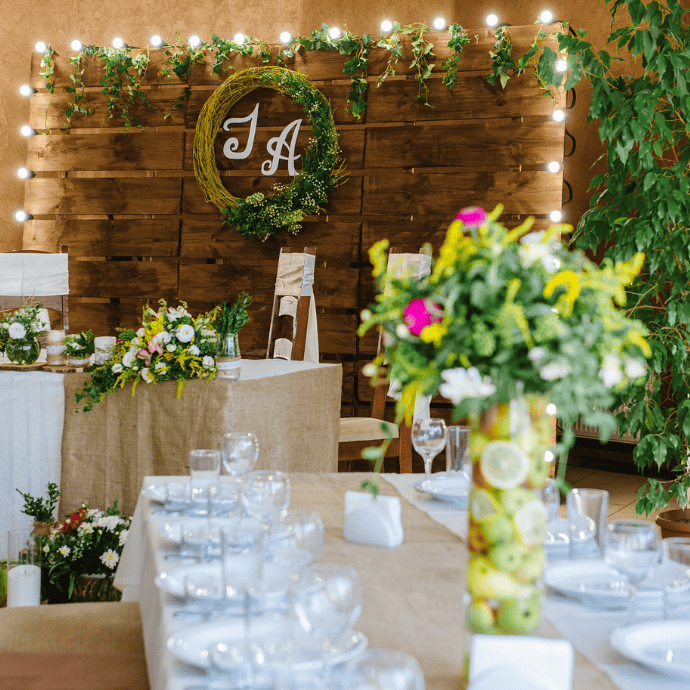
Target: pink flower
x=143 y=354
x=473 y=216
x=155 y=346
x=420 y=313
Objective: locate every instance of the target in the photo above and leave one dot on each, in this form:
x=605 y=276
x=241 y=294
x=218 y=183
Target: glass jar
x=24 y=351
x=228 y=359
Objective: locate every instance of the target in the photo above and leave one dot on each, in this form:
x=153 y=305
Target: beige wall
x=59 y=21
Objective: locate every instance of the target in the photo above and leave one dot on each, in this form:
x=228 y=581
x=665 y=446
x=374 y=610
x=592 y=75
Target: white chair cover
x=24 y=275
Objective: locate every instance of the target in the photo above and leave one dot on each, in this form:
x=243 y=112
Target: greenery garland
x=260 y=216
x=501 y=59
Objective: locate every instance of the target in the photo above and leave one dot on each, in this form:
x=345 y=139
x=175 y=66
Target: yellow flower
x=635 y=337
x=566 y=301
x=377 y=255
x=518 y=232
x=627 y=270
x=433 y=333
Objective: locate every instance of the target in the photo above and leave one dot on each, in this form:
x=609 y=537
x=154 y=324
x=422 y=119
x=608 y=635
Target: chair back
x=293 y=334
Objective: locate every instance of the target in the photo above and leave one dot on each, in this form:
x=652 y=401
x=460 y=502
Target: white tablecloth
x=32 y=408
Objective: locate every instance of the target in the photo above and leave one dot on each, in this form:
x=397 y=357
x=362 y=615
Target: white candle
x=55 y=347
x=105 y=341
x=24 y=585
x=104 y=345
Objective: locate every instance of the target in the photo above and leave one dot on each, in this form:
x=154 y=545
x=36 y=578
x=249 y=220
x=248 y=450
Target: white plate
x=449 y=487
x=191 y=645
x=595 y=584
x=169 y=527
x=155 y=492
x=660 y=645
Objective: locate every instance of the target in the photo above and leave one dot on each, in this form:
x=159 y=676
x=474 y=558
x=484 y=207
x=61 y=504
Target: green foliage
x=458 y=40
x=231 y=318
x=501 y=59
x=40 y=509
x=392 y=43
x=359 y=47
x=421 y=52
x=80 y=344
x=642 y=203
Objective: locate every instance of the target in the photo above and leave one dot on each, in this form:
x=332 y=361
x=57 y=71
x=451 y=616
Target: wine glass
x=632 y=547
x=296 y=539
x=385 y=669
x=428 y=439
x=240 y=451
x=265 y=493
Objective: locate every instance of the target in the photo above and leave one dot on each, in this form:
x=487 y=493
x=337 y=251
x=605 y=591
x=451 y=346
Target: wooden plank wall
x=128 y=209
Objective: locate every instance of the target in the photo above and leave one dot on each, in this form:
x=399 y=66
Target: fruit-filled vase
x=507 y=517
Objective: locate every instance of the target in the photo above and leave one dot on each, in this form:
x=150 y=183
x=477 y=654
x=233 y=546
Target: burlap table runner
x=106 y=453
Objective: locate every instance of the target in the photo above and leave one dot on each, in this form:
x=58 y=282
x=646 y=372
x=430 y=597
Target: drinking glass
x=204 y=470
x=458 y=450
x=177 y=497
x=222 y=497
x=676 y=577
x=240 y=451
x=327 y=600
x=428 y=439
x=265 y=493
x=24 y=567
x=632 y=547
x=201 y=540
x=385 y=669
x=296 y=539
x=587 y=511
x=203 y=593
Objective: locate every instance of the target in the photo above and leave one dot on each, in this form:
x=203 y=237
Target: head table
x=412 y=595
x=103 y=455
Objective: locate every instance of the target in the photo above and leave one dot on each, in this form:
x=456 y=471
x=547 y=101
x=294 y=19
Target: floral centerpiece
x=170 y=345
x=80 y=346
x=229 y=320
x=82 y=552
x=507 y=323
x=18 y=332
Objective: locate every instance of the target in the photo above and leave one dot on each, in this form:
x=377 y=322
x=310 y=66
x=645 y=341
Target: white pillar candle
x=104 y=346
x=24 y=585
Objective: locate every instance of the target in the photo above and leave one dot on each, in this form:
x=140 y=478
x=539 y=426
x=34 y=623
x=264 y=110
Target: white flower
x=86 y=528
x=128 y=359
x=93 y=512
x=110 y=559
x=163 y=337
x=208 y=362
x=465 y=383
x=4 y=325
x=117 y=368
x=64 y=551
x=46 y=548
x=17 y=331
x=366 y=315
x=536 y=353
x=146 y=375
x=611 y=373
x=174 y=314
x=634 y=368
x=554 y=370
x=161 y=366
x=135 y=341
x=109 y=522
x=402 y=331
x=170 y=348
x=185 y=333
x=370 y=370
x=141 y=332
x=193 y=350
x=76 y=346
x=123 y=536
x=533 y=248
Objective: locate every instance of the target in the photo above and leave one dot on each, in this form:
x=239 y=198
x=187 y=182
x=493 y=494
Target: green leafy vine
x=458 y=40
x=421 y=52
x=501 y=59
x=356 y=68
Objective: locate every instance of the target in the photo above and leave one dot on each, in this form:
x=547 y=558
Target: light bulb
x=41 y=47
x=492 y=20
x=561 y=65
x=554 y=167
x=156 y=41
x=386 y=26
x=118 y=43
x=285 y=37
x=25 y=173
x=194 y=41
x=76 y=45
x=26 y=90
x=334 y=33
x=21 y=216
x=239 y=38
x=558 y=115
x=551 y=409
x=548 y=455
x=545 y=17
x=439 y=24
x=27 y=131
x=555 y=216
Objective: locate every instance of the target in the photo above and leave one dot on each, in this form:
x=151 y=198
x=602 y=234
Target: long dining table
x=412 y=595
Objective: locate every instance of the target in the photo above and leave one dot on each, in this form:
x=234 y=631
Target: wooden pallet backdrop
x=127 y=208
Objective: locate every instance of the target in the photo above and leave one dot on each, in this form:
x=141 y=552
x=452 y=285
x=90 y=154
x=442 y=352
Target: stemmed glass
x=632 y=547
x=265 y=494
x=429 y=439
x=240 y=451
x=296 y=539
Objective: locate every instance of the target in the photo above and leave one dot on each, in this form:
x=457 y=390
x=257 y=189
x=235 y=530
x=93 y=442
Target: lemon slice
x=530 y=523
x=483 y=505
x=504 y=465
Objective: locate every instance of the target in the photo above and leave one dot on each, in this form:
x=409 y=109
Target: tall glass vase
x=228 y=359
x=507 y=517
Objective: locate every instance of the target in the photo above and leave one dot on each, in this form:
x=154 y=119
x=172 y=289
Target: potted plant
x=641 y=202
x=79 y=348
x=229 y=321
x=42 y=510
x=21 y=329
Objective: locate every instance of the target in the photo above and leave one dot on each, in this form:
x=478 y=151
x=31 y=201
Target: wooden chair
x=356 y=433
x=293 y=334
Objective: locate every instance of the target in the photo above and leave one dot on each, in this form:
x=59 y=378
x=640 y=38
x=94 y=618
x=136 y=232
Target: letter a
x=275 y=147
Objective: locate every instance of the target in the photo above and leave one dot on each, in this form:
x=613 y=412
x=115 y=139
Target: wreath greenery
x=259 y=216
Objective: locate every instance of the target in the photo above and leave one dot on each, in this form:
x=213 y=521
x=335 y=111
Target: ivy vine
x=501 y=59
x=421 y=53
x=458 y=40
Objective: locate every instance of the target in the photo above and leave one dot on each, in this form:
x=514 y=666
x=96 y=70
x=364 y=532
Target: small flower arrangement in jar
x=79 y=348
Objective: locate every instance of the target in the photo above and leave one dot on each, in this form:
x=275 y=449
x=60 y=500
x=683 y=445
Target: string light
x=156 y=41
x=555 y=216
x=554 y=167
x=27 y=131
x=440 y=24
x=545 y=17
x=26 y=90
x=194 y=41
x=239 y=38
x=558 y=115
x=551 y=409
x=334 y=33
x=22 y=216
x=41 y=47
x=76 y=45
x=25 y=173
x=285 y=37
x=386 y=26
x=492 y=20
x=561 y=65
x=548 y=455
x=118 y=43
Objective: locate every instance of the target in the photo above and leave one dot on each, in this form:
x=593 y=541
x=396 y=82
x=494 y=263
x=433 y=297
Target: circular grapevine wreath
x=259 y=216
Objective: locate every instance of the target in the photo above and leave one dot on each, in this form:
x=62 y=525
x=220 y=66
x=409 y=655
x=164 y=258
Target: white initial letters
x=275 y=148
x=232 y=144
